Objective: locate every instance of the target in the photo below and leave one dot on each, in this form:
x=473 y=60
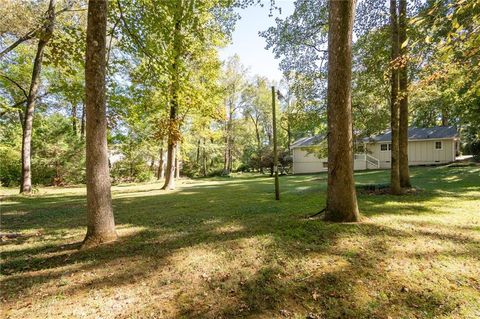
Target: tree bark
x=205 y=170
x=74 y=118
x=341 y=195
x=226 y=153
x=160 y=165
x=403 y=102
x=394 y=107
x=82 y=123
x=173 y=129
x=170 y=169
x=100 y=219
x=444 y=118
x=289 y=136
x=198 y=152
x=177 y=162
x=45 y=35
x=257 y=136
x=230 y=155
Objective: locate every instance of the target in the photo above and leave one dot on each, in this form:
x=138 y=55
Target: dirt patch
x=384 y=189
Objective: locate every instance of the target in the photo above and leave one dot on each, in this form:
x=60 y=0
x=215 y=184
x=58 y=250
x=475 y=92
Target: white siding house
x=426 y=146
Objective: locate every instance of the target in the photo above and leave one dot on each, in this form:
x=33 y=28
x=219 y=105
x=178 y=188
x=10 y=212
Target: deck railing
x=369 y=159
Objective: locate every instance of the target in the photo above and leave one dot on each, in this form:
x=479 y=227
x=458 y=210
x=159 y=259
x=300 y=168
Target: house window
x=325 y=164
x=438 y=145
x=385 y=147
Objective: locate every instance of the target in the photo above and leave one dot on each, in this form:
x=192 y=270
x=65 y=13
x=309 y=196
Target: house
x=426 y=146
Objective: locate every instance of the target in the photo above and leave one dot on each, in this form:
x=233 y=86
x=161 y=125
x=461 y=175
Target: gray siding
x=419 y=152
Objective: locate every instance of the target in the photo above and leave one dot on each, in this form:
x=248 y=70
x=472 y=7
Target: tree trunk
x=257 y=136
x=226 y=155
x=46 y=34
x=177 y=162
x=173 y=129
x=230 y=156
x=170 y=169
x=198 y=152
x=82 y=123
x=160 y=165
x=444 y=118
x=341 y=195
x=100 y=220
x=403 y=84
x=205 y=170
x=394 y=107
x=289 y=136
x=152 y=164
x=74 y=118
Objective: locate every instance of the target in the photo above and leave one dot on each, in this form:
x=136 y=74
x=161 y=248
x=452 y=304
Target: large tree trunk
x=403 y=84
x=394 y=107
x=173 y=127
x=100 y=220
x=160 y=165
x=172 y=145
x=45 y=35
x=341 y=195
x=170 y=169
x=177 y=162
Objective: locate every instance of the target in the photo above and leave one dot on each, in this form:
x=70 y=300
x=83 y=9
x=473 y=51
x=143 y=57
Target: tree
x=100 y=220
x=404 y=173
x=341 y=195
x=234 y=85
x=394 y=106
x=44 y=37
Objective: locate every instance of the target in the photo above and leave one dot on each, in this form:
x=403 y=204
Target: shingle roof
x=418 y=133
x=308 y=141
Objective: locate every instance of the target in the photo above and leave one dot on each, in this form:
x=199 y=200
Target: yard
x=223 y=248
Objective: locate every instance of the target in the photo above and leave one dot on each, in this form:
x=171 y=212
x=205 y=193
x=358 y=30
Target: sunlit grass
x=223 y=248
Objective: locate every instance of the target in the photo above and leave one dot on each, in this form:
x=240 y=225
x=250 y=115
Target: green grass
x=223 y=248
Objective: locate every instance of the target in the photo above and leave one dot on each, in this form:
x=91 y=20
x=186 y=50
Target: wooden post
x=275 y=155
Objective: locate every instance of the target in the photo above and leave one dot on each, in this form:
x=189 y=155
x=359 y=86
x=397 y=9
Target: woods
x=247 y=158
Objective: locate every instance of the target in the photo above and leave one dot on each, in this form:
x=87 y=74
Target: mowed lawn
x=223 y=248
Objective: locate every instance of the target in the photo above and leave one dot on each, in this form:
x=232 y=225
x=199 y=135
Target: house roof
x=418 y=133
x=308 y=141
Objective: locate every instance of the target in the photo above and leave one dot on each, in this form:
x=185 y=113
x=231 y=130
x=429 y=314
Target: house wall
x=419 y=152
x=303 y=162
x=307 y=163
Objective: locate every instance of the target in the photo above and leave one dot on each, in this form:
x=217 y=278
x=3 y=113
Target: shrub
x=10 y=166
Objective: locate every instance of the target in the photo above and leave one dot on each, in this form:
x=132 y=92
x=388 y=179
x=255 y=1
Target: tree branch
x=16 y=84
x=30 y=34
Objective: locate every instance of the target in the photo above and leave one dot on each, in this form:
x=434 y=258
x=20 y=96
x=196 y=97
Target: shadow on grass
x=199 y=216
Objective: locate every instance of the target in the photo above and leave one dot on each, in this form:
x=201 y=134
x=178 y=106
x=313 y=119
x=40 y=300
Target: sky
x=250 y=46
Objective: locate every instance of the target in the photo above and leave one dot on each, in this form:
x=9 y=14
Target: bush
x=473 y=148
x=144 y=176
x=58 y=154
x=126 y=170
x=10 y=166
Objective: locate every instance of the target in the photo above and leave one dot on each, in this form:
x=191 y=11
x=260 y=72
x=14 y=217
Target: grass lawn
x=223 y=248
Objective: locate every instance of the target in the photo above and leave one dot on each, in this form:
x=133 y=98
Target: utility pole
x=275 y=155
